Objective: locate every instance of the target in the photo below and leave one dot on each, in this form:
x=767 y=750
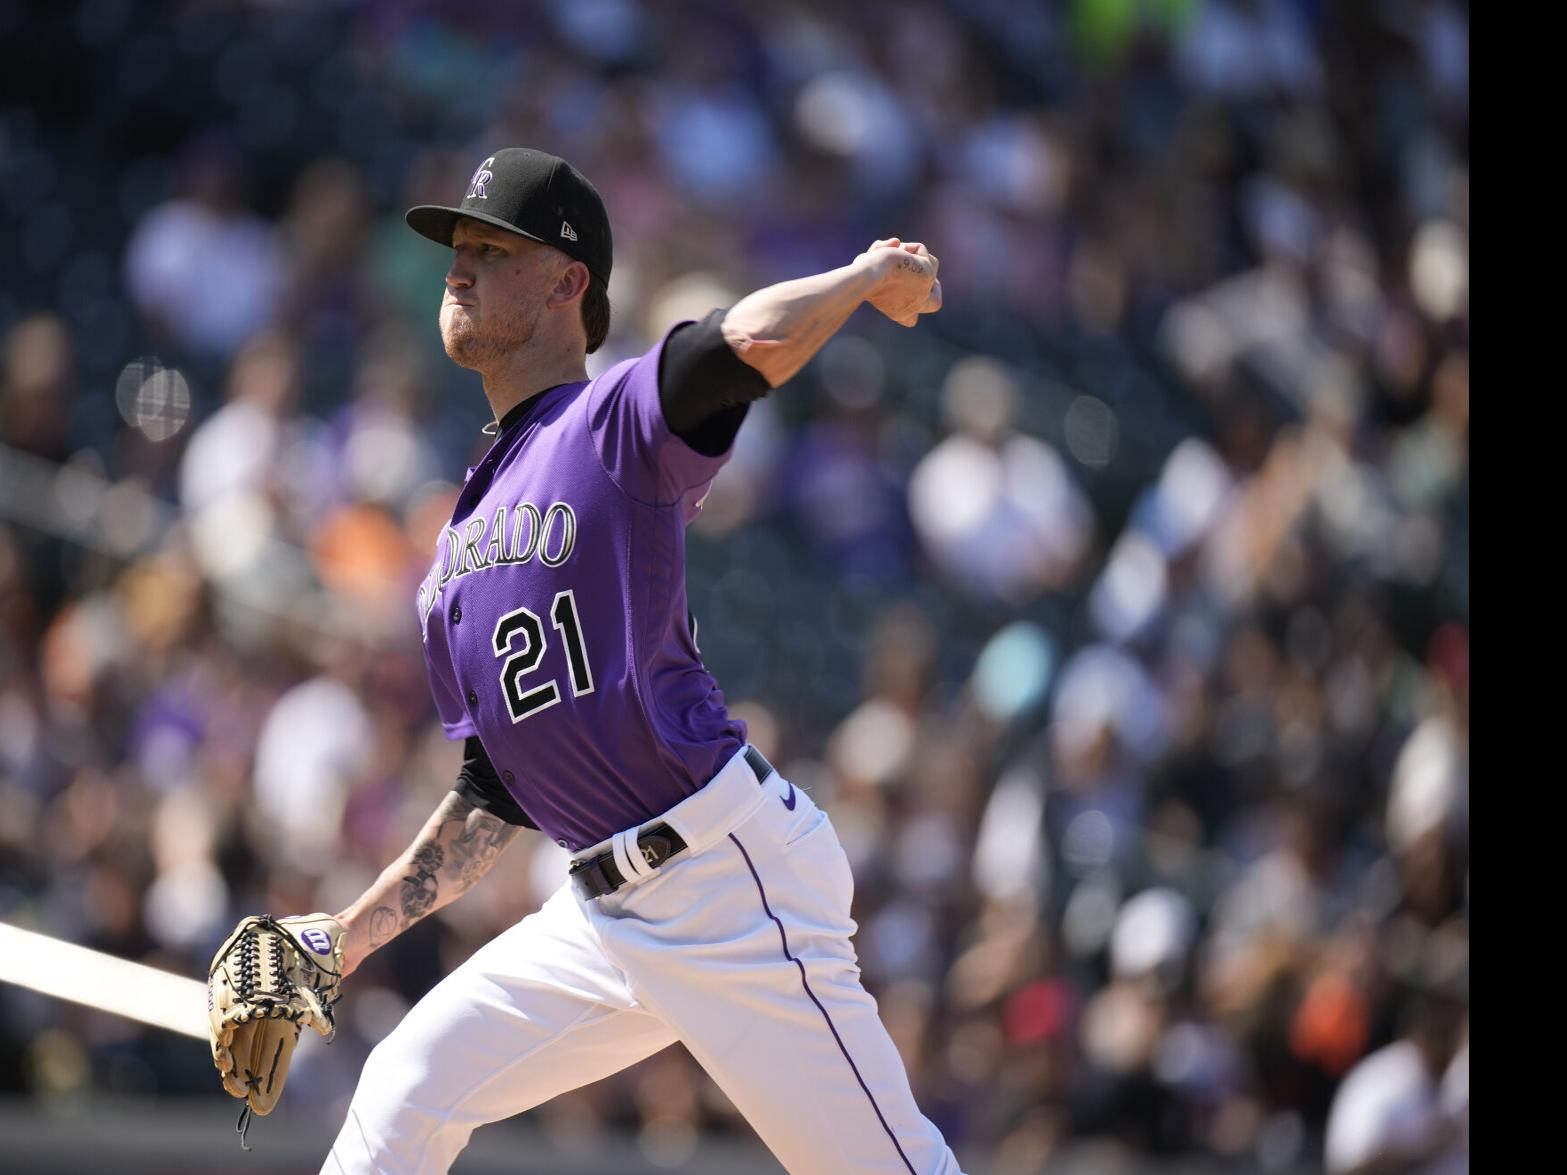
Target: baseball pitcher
x=708 y=899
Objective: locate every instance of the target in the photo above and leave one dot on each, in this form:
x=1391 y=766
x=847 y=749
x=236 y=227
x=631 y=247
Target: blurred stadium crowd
x=1119 y=614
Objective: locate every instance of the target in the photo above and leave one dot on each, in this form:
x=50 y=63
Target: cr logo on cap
x=481 y=176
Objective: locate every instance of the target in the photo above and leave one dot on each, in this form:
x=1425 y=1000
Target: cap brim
x=437 y=222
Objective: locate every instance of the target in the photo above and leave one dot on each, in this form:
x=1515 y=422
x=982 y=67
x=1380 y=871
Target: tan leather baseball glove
x=269 y=979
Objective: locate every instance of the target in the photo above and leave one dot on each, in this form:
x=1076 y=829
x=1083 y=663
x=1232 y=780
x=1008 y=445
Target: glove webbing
x=253 y=1080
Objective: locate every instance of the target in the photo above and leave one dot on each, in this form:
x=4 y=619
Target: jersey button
x=457 y=614
x=508 y=777
x=473 y=698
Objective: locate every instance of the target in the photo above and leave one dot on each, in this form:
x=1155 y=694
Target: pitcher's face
x=495 y=292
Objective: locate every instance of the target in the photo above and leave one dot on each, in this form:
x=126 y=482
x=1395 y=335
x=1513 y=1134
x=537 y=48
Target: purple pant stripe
x=784 y=939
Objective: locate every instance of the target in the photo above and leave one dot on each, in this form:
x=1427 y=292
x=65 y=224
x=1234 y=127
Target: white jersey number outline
x=525 y=623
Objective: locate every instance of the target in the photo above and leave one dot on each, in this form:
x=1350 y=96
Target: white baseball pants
x=738 y=948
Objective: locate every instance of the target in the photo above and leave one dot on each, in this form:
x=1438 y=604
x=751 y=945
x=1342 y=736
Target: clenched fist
x=906 y=284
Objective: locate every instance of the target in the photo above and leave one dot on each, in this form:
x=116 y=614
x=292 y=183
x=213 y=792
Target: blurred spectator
x=1121 y=1091
x=997 y=510
x=37 y=385
x=1406 y=1106
x=715 y=141
x=329 y=303
x=314 y=748
x=1143 y=575
x=385 y=455
x=236 y=449
x=844 y=483
x=1250 y=49
x=205 y=271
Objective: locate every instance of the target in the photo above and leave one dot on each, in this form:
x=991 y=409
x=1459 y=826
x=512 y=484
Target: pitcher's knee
x=397 y=1123
x=391 y=1078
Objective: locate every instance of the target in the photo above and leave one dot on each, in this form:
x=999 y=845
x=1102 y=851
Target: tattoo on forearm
x=420 y=886
x=464 y=845
x=480 y=838
x=383 y=926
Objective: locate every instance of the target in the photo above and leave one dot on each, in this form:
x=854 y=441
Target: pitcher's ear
x=570 y=284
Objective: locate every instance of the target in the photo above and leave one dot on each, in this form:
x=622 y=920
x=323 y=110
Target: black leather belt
x=599 y=875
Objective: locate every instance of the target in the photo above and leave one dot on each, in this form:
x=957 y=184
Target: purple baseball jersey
x=555 y=620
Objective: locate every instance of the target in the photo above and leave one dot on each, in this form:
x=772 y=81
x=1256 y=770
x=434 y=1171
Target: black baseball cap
x=533 y=193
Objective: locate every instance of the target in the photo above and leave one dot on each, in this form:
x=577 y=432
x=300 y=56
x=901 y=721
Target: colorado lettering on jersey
x=516 y=534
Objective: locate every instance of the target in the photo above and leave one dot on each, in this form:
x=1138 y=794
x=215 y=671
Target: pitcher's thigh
x=772 y=1007
x=526 y=1018
x=817 y=1076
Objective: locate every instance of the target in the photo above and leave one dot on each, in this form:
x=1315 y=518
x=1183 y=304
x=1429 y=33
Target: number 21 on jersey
x=523 y=625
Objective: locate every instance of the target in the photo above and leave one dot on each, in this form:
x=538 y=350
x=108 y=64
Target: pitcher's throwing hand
x=907 y=273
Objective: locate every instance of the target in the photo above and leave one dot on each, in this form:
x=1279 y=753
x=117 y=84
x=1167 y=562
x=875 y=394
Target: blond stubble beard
x=478 y=346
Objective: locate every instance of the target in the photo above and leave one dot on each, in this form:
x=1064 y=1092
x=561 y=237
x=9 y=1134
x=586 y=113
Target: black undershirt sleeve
x=704 y=387
x=478 y=783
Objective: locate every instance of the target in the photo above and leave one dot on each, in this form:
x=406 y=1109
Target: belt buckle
x=599 y=876
x=656 y=850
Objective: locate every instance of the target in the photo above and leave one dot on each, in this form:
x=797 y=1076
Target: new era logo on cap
x=567 y=231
